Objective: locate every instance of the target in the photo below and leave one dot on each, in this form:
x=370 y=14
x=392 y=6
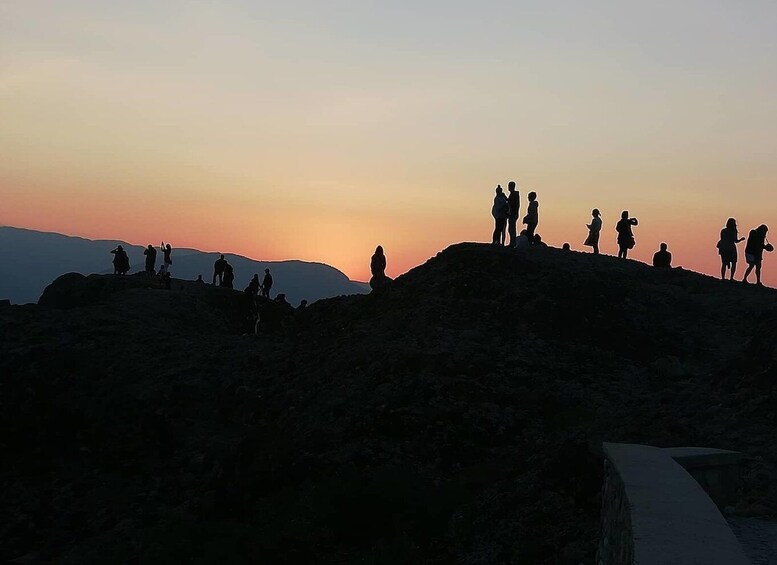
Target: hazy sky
x=318 y=129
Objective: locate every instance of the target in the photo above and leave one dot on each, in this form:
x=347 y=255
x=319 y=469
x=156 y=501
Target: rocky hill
x=456 y=416
x=32 y=259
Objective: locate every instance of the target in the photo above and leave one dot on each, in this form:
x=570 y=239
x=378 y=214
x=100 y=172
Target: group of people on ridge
x=506 y=208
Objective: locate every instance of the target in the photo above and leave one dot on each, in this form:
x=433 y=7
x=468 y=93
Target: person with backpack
x=500 y=211
x=120 y=261
x=532 y=217
x=626 y=239
x=754 y=252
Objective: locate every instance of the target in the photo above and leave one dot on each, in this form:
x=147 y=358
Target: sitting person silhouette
x=218 y=270
x=754 y=252
x=537 y=240
x=120 y=261
x=566 y=247
x=522 y=241
x=663 y=259
x=303 y=305
x=594 y=229
x=500 y=211
x=727 y=248
x=378 y=269
x=281 y=299
x=532 y=217
x=199 y=280
x=626 y=239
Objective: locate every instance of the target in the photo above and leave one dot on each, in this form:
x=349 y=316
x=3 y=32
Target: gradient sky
x=318 y=129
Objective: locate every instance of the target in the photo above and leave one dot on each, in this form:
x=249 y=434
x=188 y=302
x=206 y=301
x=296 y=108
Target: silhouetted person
x=532 y=217
x=594 y=230
x=303 y=305
x=537 y=240
x=522 y=241
x=267 y=283
x=150 y=254
x=281 y=299
x=199 y=280
x=514 y=200
x=662 y=259
x=167 y=257
x=754 y=251
x=228 y=279
x=167 y=279
x=218 y=270
x=500 y=211
x=120 y=261
x=566 y=247
x=253 y=286
x=727 y=248
x=626 y=239
x=378 y=269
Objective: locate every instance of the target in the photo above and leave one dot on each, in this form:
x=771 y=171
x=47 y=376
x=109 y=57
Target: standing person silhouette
x=594 y=229
x=218 y=270
x=532 y=217
x=514 y=200
x=500 y=211
x=120 y=261
x=626 y=239
x=663 y=259
x=267 y=283
x=727 y=248
x=754 y=252
x=150 y=254
x=167 y=257
x=229 y=276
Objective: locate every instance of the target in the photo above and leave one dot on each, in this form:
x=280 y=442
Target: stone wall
x=654 y=512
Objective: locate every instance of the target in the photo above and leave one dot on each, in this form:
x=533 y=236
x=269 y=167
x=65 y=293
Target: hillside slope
x=455 y=417
x=33 y=259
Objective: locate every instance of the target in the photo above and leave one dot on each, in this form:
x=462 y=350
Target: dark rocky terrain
x=454 y=417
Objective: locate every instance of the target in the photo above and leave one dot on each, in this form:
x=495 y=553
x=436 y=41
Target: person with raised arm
x=727 y=248
x=626 y=239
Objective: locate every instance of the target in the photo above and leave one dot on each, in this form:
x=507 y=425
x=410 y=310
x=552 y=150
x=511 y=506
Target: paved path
x=758 y=539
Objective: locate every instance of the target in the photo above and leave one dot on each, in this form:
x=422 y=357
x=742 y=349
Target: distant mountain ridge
x=32 y=259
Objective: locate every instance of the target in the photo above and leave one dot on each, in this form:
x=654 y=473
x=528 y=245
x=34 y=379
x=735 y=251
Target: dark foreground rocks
x=455 y=416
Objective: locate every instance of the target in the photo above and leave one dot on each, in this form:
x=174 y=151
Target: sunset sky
x=315 y=130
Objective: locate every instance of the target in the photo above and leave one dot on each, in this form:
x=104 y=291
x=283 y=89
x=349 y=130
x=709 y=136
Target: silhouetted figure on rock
x=120 y=261
x=594 y=230
x=566 y=247
x=626 y=239
x=253 y=286
x=500 y=211
x=167 y=279
x=228 y=279
x=522 y=241
x=267 y=283
x=532 y=217
x=727 y=248
x=537 y=241
x=167 y=257
x=514 y=200
x=199 y=280
x=378 y=269
x=754 y=252
x=281 y=299
x=150 y=254
x=303 y=305
x=218 y=270
x=663 y=259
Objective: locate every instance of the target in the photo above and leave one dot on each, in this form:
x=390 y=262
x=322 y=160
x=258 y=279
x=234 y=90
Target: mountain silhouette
x=453 y=416
x=32 y=259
